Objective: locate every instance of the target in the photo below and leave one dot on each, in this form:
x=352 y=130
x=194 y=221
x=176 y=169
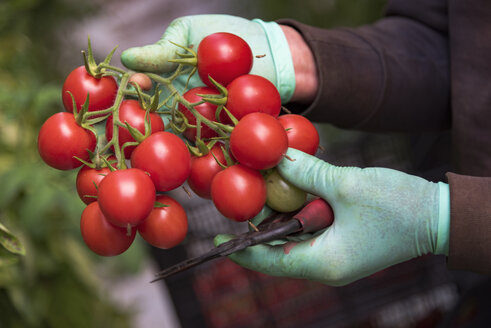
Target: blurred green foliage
x=55 y=283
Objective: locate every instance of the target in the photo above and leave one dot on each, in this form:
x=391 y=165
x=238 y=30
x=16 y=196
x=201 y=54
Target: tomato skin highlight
x=203 y=170
x=238 y=192
x=165 y=157
x=61 y=138
x=165 y=227
x=206 y=109
x=126 y=197
x=223 y=56
x=252 y=93
x=258 y=141
x=301 y=133
x=130 y=111
x=79 y=82
x=102 y=237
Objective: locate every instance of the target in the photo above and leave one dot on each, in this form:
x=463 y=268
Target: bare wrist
x=306 y=80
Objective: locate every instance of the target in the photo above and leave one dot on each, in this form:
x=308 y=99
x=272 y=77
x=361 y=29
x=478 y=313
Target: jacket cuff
x=470 y=223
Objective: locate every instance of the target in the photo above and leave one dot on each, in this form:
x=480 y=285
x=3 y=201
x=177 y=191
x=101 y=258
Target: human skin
x=306 y=80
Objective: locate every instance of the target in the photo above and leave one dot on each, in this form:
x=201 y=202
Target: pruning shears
x=314 y=216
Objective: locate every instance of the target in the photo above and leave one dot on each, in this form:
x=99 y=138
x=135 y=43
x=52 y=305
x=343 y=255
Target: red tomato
x=252 y=93
x=203 y=169
x=61 y=138
x=126 y=197
x=165 y=157
x=238 y=192
x=223 y=56
x=258 y=141
x=131 y=112
x=165 y=227
x=80 y=83
x=206 y=109
x=87 y=182
x=102 y=237
x=301 y=133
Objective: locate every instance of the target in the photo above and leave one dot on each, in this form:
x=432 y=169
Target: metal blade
x=237 y=244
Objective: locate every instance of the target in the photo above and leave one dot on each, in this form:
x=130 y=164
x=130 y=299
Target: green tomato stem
x=113 y=68
x=116 y=122
x=220 y=129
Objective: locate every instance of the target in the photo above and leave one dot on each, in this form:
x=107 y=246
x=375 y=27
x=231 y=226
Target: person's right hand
x=381 y=217
x=264 y=38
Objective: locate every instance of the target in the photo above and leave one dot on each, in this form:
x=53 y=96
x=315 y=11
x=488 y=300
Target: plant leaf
x=10 y=242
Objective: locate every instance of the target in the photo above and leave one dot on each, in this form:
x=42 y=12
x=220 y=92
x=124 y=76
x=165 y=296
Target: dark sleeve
x=392 y=75
x=470 y=223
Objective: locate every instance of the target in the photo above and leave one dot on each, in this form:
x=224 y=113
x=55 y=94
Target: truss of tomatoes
x=224 y=139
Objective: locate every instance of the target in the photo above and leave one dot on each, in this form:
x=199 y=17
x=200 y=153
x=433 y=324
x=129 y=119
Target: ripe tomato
x=252 y=93
x=301 y=133
x=223 y=56
x=80 y=83
x=88 y=180
x=102 y=237
x=206 y=109
x=258 y=141
x=126 y=197
x=61 y=138
x=165 y=157
x=165 y=227
x=131 y=112
x=281 y=195
x=203 y=169
x=238 y=192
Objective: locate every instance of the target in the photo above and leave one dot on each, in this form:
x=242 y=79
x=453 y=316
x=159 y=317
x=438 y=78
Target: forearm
x=390 y=76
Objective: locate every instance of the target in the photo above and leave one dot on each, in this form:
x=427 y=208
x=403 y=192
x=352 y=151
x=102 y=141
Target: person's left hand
x=266 y=39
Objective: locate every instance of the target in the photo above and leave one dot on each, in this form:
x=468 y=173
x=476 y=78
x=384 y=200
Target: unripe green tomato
x=281 y=195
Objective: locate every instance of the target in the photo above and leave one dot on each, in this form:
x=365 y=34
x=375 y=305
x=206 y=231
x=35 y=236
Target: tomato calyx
x=80 y=116
x=228 y=159
x=220 y=99
x=220 y=128
x=100 y=161
x=147 y=103
x=189 y=58
x=158 y=204
x=94 y=69
x=203 y=149
x=135 y=133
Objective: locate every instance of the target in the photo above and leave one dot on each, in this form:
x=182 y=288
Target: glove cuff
x=282 y=58
x=443 y=235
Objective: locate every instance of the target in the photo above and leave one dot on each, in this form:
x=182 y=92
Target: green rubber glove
x=381 y=217
x=264 y=38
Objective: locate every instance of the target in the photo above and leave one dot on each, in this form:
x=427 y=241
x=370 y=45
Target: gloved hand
x=264 y=38
x=381 y=217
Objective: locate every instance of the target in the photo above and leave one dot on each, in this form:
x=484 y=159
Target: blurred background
x=48 y=278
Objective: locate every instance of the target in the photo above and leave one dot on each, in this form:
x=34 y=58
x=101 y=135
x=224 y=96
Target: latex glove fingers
x=266 y=40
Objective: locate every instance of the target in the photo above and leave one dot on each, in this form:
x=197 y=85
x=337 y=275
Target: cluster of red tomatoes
x=233 y=136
